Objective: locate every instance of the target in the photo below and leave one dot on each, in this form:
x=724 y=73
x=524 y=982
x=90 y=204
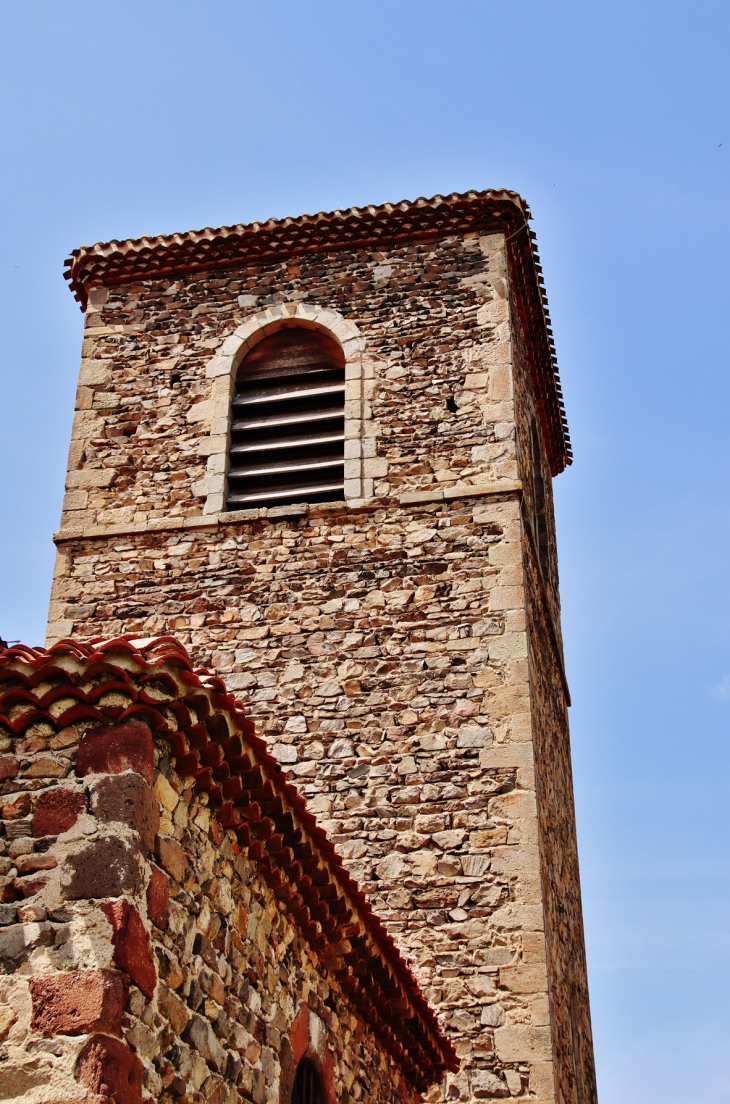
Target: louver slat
x=288 y=429
x=274 y=469
x=285 y=442
x=287 y=419
x=281 y=394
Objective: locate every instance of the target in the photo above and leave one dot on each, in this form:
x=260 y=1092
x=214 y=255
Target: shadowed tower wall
x=399 y=647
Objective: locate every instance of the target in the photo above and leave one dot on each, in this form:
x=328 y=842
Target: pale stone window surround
x=361 y=463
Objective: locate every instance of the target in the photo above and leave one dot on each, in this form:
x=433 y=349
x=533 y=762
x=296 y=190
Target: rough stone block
x=79 y=1002
x=474 y=736
x=8 y=767
x=112 y=749
x=56 y=811
x=29 y=864
x=30 y=884
x=172 y=857
x=18 y=940
x=486 y=1084
x=108 y=1067
x=127 y=799
x=132 y=949
x=493 y=1015
x=45 y=768
x=15 y=807
x=108 y=867
x=201 y=1036
x=158 y=897
x=175 y=1010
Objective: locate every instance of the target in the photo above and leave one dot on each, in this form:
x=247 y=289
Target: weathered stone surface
x=111 y=749
x=78 y=1003
x=201 y=1036
x=8 y=767
x=18 y=940
x=15 y=807
x=132 y=951
x=127 y=799
x=108 y=867
x=56 y=811
x=108 y=1067
x=485 y=1084
x=27 y=864
x=173 y=1009
x=158 y=897
x=172 y=856
x=30 y=884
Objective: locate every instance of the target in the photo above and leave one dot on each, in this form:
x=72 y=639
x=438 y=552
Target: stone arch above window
x=307 y=1068
x=360 y=430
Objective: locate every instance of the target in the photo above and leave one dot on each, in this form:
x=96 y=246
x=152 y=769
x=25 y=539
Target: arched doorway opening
x=307 y=1084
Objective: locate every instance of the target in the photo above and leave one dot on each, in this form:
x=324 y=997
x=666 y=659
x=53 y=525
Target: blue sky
x=121 y=119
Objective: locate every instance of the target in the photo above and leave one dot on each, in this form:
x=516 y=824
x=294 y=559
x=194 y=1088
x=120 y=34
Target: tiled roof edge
x=493 y=210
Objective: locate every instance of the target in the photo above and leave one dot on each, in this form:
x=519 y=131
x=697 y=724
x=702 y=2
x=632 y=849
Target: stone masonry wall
x=571 y=1023
x=381 y=645
x=143 y=955
x=144 y=406
x=383 y=655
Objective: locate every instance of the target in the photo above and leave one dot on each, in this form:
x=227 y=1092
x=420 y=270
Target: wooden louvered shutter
x=288 y=423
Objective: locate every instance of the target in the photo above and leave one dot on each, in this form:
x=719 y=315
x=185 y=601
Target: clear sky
x=123 y=119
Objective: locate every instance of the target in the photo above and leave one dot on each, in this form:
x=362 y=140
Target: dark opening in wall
x=288 y=422
x=307 y=1085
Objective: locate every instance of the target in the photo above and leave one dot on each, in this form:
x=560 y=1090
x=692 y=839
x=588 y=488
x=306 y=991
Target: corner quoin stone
x=78 y=1003
x=112 y=749
x=127 y=799
x=107 y=1067
x=56 y=811
x=132 y=952
x=107 y=867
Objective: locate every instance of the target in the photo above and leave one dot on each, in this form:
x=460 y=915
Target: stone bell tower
x=319 y=452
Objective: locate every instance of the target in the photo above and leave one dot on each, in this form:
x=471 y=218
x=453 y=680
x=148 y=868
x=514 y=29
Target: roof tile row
x=119 y=262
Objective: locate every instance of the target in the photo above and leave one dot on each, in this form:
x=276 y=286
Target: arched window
x=307 y=1085
x=288 y=422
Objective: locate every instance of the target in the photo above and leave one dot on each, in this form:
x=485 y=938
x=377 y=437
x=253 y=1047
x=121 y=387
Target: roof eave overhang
x=116 y=263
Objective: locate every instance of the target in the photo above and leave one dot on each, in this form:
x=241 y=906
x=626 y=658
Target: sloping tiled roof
x=212 y=741
x=121 y=262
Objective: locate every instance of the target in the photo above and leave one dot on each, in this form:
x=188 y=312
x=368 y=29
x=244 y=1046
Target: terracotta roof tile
x=119 y=262
x=211 y=739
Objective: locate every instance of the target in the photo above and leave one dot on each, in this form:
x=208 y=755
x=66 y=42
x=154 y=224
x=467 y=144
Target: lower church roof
x=210 y=739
